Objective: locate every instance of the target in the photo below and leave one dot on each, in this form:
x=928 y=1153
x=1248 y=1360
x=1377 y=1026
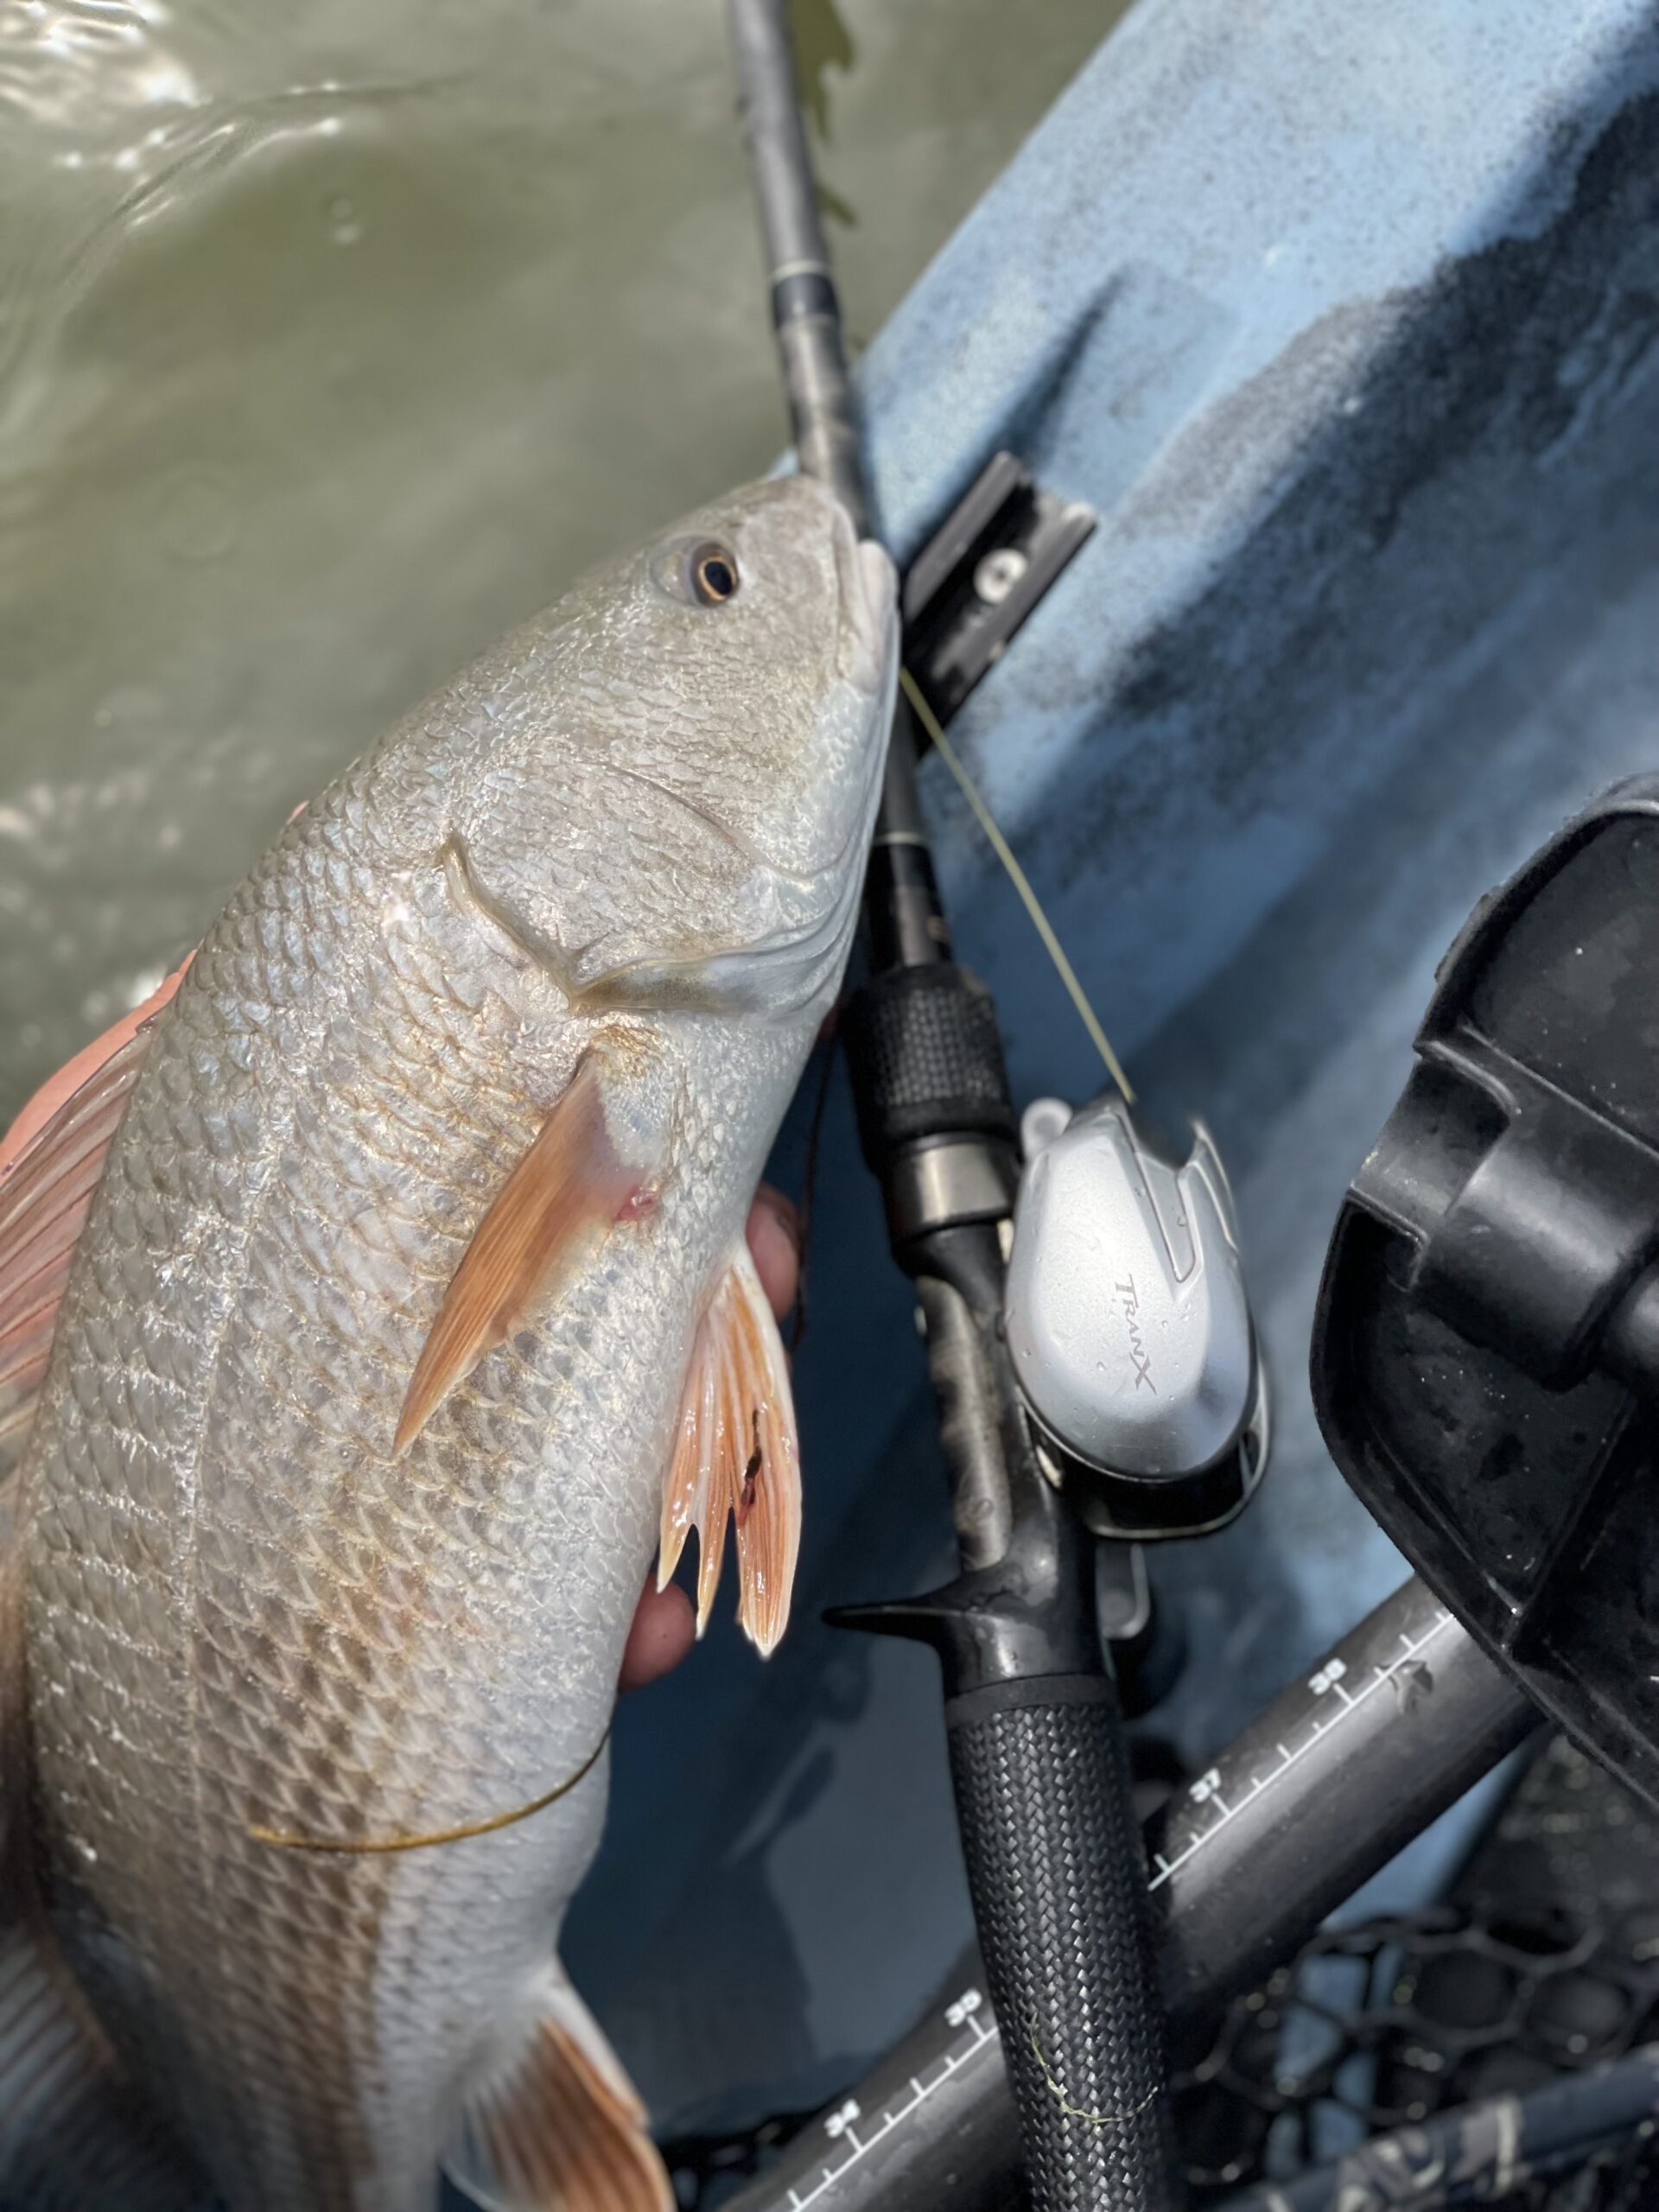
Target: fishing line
x=1004 y=851
x=1076 y=2112
x=362 y=1846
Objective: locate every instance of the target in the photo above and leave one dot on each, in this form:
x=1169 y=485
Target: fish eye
x=697 y=571
x=713 y=570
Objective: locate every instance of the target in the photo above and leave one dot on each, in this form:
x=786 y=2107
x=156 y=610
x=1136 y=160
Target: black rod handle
x=1057 y=1871
x=1058 y=1876
x=1317 y=1797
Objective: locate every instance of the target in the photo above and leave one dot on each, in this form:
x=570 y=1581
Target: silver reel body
x=1129 y=1326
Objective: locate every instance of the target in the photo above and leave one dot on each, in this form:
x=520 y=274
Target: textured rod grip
x=1057 y=1875
x=927 y=1060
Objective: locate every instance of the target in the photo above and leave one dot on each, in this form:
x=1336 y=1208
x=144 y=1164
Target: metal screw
x=1043 y=1120
x=998 y=573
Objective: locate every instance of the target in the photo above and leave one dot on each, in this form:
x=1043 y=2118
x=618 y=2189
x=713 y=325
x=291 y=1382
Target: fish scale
x=274 y=2041
x=248 y=1614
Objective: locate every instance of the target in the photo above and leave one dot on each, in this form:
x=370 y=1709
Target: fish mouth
x=789 y=966
x=777 y=975
x=867 y=592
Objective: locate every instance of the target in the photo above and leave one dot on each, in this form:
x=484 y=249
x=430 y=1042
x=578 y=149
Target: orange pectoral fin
x=736 y=1456
x=564 y=1196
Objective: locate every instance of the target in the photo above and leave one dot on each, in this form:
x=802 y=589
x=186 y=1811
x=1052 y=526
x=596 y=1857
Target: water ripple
x=73 y=66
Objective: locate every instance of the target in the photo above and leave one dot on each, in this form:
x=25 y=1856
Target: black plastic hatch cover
x=1485 y=1362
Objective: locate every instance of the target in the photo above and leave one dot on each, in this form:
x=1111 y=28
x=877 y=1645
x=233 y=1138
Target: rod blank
x=805 y=311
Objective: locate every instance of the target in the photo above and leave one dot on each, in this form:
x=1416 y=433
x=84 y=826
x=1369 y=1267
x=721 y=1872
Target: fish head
x=680 y=763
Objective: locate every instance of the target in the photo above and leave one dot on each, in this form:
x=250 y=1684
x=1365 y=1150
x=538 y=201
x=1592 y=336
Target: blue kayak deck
x=1347 y=323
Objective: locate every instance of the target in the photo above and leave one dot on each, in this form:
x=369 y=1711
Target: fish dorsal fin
x=51 y=1162
x=564 y=1196
x=736 y=1455
x=71 y=2131
x=561 y=2127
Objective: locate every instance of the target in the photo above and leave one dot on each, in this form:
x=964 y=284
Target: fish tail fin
x=75 y=2135
x=558 y=2126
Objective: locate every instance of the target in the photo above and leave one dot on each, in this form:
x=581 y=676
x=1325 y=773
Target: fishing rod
x=1040 y=1766
x=1341 y=1771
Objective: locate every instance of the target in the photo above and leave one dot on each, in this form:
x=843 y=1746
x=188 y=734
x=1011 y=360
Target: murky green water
x=335 y=337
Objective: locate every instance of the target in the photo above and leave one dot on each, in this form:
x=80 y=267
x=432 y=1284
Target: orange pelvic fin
x=556 y=1207
x=562 y=2128
x=736 y=1455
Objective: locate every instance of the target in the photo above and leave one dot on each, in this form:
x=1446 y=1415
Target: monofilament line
x=1004 y=851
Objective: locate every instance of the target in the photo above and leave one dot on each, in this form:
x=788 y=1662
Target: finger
x=774 y=1235
x=664 y=1630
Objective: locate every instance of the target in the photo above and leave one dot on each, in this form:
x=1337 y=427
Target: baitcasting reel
x=1130 y=1327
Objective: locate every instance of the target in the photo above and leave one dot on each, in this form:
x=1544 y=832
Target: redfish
x=409 y=1312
